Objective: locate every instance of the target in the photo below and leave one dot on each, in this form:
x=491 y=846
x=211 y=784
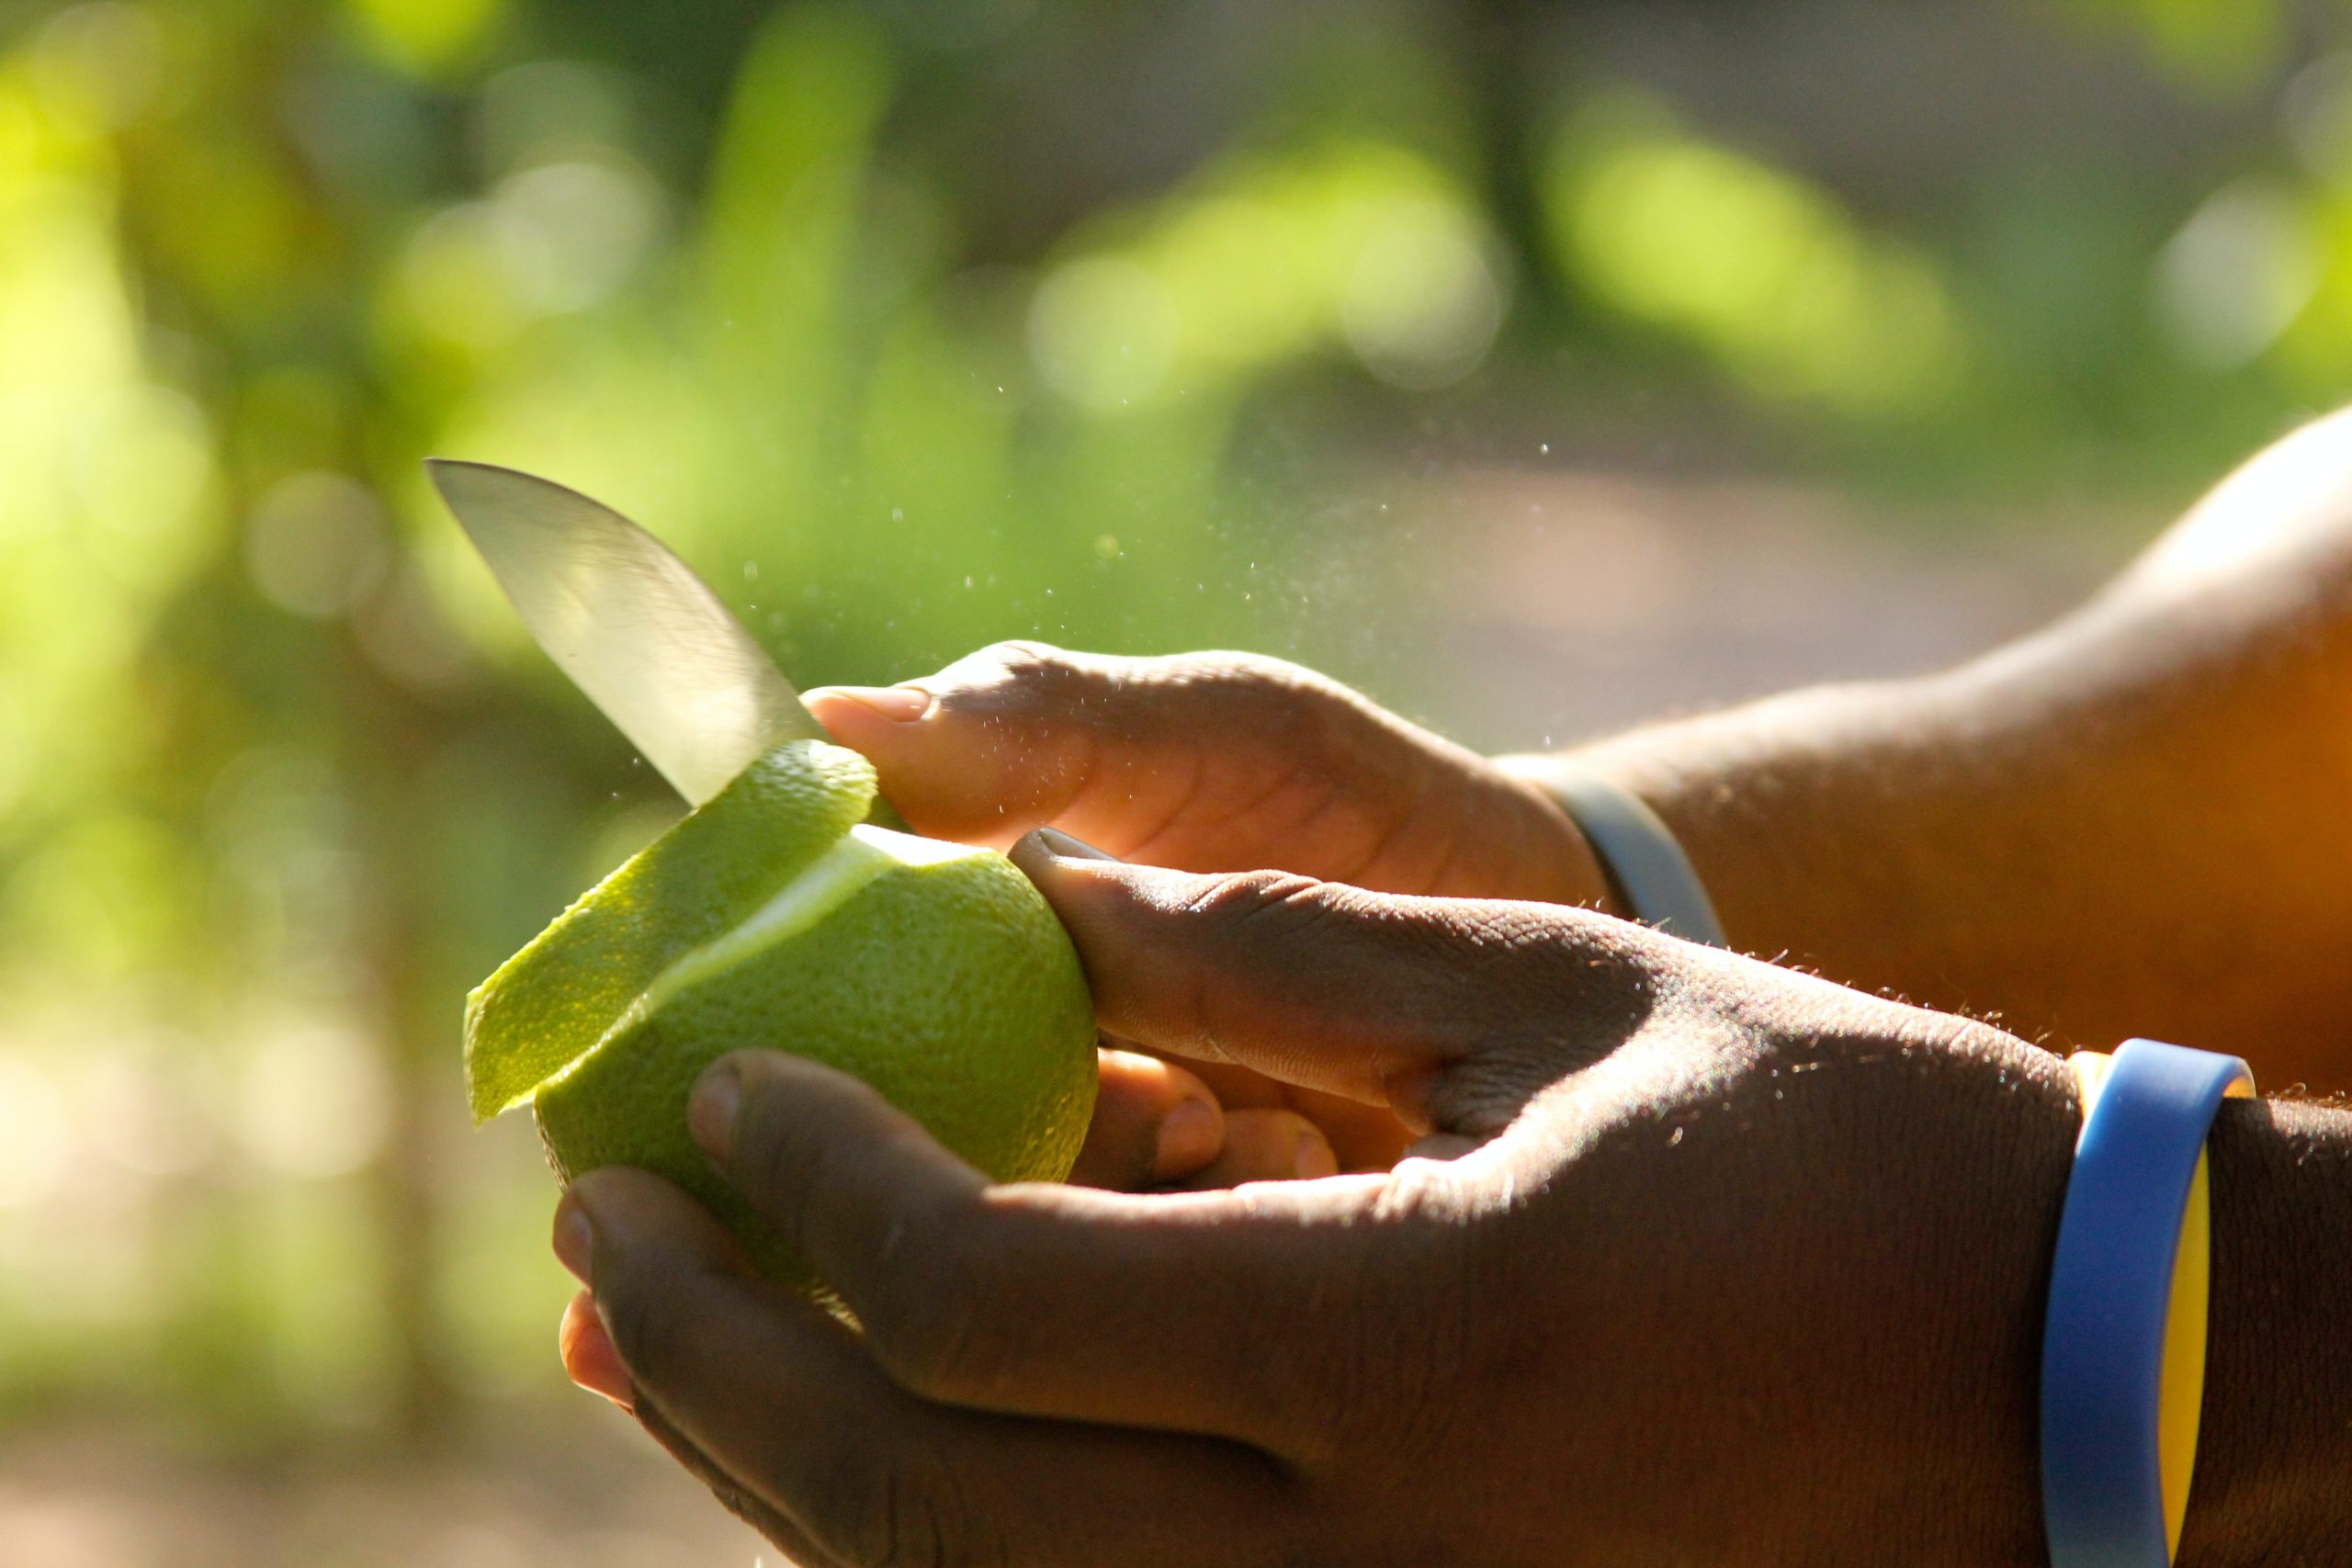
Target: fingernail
x=899 y=704
x=1060 y=843
x=710 y=1111
x=602 y=1381
x=1314 y=1158
x=588 y=1355
x=575 y=1238
x=1188 y=1140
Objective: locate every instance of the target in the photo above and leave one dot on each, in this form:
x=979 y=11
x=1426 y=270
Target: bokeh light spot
x=35 y=1136
x=106 y=59
x=571 y=233
x=1422 y=302
x=316 y=543
x=316 y=1102
x=2237 y=274
x=549 y=110
x=1103 y=332
x=1749 y=261
x=425 y=36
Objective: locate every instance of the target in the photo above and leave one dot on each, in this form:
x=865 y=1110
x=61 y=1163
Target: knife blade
x=631 y=623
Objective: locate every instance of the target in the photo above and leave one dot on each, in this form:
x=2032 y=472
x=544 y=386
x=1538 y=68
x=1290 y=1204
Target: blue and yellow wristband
x=2124 y=1343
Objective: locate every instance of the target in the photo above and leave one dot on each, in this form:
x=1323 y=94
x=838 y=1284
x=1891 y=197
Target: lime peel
x=818 y=889
x=775 y=917
x=558 y=997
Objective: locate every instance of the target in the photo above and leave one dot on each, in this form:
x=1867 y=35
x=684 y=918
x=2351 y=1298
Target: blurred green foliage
x=915 y=325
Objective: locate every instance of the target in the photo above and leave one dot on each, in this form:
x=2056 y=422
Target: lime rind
x=554 y=1000
x=812 y=894
x=779 y=917
x=942 y=979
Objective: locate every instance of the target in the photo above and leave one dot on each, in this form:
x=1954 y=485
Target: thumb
x=1016 y=734
x=950 y=774
x=1377 y=997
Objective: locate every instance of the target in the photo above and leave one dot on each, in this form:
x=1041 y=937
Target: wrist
x=1648 y=877
x=1824 y=825
x=2276 y=1430
x=1963 y=1142
x=1565 y=868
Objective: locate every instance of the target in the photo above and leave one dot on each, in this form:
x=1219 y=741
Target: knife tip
x=444 y=472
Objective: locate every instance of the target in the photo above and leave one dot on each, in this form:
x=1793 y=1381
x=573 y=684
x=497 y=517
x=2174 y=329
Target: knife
x=631 y=623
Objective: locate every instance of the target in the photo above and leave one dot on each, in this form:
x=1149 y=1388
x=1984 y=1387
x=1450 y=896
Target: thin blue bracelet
x=1645 y=867
x=2110 y=1292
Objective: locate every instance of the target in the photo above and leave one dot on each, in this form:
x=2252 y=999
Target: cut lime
x=776 y=917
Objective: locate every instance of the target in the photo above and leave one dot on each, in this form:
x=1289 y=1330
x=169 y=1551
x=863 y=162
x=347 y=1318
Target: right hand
x=1740 y=1267
x=1212 y=762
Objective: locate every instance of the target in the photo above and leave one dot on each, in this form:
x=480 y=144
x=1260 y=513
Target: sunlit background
x=1536 y=368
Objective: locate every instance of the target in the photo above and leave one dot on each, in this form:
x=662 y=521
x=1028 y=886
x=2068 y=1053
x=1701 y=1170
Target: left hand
x=1740 y=1267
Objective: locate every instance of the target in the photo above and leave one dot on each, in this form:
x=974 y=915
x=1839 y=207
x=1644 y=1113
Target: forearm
x=2275 y=1443
x=2130 y=823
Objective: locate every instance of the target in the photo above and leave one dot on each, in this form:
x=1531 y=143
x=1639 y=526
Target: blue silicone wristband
x=2110 y=1287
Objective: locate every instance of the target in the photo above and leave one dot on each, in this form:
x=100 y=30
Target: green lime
x=776 y=917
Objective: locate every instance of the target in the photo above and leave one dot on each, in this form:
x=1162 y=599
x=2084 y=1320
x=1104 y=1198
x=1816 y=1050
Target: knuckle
x=1017 y=668
x=887 y=1507
x=1245 y=910
x=773 y=1160
x=645 y=1329
x=1027 y=651
x=1272 y=685
x=1241 y=671
x=939 y=1328
x=767 y=1169
x=1251 y=931
x=1282 y=698
x=1031 y=682
x=1293 y=710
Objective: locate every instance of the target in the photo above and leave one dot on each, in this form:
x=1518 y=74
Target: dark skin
x=1774 y=1254
x=1043 y=1369
x=1680 y=1307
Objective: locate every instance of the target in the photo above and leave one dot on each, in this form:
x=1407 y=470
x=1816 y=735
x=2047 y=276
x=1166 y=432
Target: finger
x=1363 y=1137
x=1379 y=998
x=1062 y=1300
x=1238 y=1087
x=1003 y=741
x=1154 y=1123
x=588 y=1355
x=1265 y=1146
x=745 y=1502
x=588 y=1348
x=1205 y=759
x=787 y=1402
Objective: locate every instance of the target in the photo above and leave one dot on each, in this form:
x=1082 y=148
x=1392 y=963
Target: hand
x=1214 y=761
x=1206 y=761
x=1738 y=1266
